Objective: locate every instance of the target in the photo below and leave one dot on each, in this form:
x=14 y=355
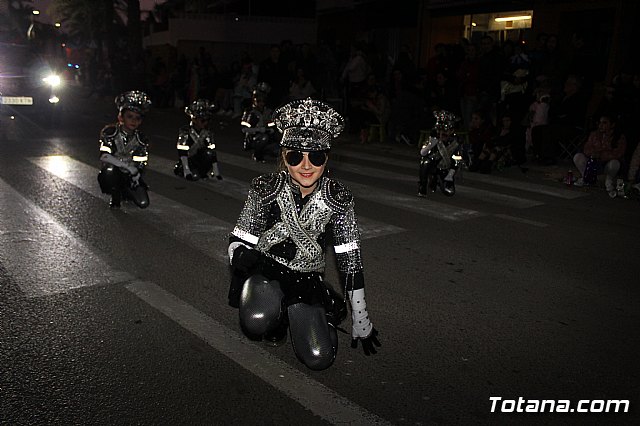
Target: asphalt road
x=517 y=287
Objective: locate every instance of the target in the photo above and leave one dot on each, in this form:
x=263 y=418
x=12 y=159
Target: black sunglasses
x=317 y=158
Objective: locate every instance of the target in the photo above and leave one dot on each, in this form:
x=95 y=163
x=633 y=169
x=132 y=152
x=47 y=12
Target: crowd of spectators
x=550 y=92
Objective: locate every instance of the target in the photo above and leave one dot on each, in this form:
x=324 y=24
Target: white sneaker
x=612 y=193
x=579 y=182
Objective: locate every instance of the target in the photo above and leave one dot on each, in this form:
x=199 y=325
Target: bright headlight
x=52 y=80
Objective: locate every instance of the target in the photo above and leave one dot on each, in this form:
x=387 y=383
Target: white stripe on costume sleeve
x=343 y=248
x=244 y=235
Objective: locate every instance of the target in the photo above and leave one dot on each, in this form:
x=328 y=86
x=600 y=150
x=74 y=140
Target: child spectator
x=538 y=114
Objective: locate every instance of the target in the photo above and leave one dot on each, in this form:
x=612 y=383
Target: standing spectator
x=275 y=73
x=567 y=118
x=439 y=63
x=538 y=114
x=468 y=78
x=301 y=87
x=245 y=83
x=489 y=74
x=354 y=75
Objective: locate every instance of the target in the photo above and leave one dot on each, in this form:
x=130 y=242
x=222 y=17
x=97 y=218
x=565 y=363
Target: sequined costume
x=196 y=145
x=440 y=157
x=288 y=233
x=124 y=155
x=260 y=133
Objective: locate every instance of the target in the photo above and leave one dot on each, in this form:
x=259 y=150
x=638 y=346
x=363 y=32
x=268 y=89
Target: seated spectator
x=376 y=109
x=633 y=176
x=481 y=131
x=506 y=148
x=602 y=152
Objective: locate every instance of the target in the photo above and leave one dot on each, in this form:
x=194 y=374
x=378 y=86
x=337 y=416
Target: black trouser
x=118 y=184
x=200 y=163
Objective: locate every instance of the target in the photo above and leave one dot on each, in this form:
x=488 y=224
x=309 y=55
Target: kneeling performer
x=277 y=248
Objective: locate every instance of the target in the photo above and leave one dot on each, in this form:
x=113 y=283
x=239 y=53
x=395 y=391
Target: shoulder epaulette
x=268 y=186
x=109 y=131
x=337 y=196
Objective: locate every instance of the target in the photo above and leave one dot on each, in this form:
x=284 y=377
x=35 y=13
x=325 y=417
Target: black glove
x=367 y=343
x=245 y=258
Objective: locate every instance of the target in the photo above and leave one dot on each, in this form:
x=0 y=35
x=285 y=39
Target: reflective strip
x=343 y=248
x=271 y=124
x=244 y=235
x=457 y=157
x=244 y=123
x=137 y=158
x=212 y=146
x=105 y=148
x=183 y=147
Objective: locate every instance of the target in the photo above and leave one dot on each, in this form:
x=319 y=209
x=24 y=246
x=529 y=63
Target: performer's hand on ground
x=368 y=343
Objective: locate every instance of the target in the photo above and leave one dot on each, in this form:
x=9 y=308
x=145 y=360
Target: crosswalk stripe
x=522 y=220
x=314 y=396
x=487 y=179
x=42 y=256
x=52 y=269
x=199 y=230
x=236 y=189
x=412 y=203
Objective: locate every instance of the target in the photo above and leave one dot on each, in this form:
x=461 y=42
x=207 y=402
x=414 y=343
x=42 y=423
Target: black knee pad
x=260 y=307
x=314 y=341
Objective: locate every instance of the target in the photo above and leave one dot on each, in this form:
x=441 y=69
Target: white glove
x=361 y=325
x=133 y=170
x=449 y=177
x=186 y=171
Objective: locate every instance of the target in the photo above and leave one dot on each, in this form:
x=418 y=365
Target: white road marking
x=522 y=220
x=488 y=179
x=41 y=255
x=314 y=396
x=199 y=230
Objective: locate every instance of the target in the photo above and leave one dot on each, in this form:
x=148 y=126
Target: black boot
x=276 y=337
x=115 y=199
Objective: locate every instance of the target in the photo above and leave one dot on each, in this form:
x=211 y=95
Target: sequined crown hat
x=308 y=125
x=134 y=100
x=200 y=108
x=445 y=120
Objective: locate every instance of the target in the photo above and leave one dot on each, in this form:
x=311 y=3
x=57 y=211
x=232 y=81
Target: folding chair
x=569 y=147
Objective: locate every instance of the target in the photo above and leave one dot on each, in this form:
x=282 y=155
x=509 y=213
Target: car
x=30 y=83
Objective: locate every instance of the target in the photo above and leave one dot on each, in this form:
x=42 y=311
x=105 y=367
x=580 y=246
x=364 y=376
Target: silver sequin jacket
x=277 y=222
